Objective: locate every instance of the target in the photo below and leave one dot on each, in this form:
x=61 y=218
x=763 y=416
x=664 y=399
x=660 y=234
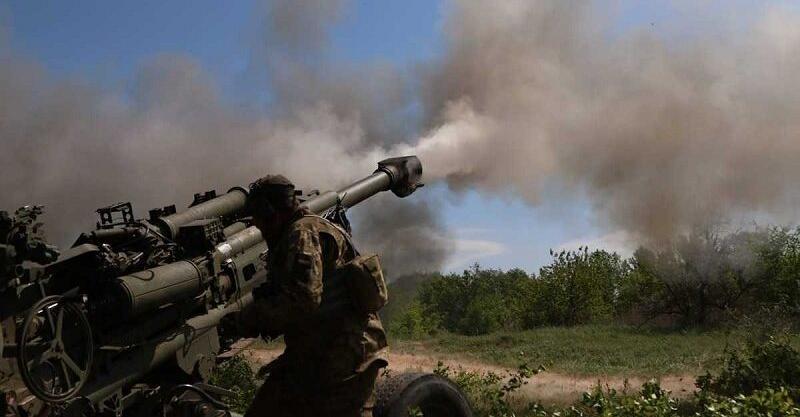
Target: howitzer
x=130 y=317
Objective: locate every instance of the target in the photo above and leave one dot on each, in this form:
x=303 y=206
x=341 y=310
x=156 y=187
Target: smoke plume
x=73 y=145
x=659 y=133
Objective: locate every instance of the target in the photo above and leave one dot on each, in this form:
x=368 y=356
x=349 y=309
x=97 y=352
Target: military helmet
x=271 y=193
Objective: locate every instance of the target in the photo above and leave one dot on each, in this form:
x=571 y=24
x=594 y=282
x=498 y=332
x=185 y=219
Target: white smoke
x=661 y=134
x=528 y=96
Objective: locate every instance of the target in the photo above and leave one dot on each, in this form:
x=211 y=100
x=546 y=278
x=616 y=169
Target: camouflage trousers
x=287 y=394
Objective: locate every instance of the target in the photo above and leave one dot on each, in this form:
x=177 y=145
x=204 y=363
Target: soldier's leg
x=353 y=398
x=269 y=400
x=286 y=394
x=367 y=390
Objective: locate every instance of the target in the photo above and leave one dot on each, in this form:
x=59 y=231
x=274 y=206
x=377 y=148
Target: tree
x=699 y=276
x=578 y=287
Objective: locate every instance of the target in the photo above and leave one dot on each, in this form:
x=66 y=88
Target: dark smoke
x=73 y=145
x=408 y=240
x=374 y=97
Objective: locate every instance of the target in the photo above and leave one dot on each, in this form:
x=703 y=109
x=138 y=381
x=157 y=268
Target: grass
x=589 y=350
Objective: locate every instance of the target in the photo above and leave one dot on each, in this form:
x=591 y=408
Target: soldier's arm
x=304 y=267
x=302 y=294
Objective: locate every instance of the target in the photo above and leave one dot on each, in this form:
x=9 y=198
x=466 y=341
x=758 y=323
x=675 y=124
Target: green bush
x=403 y=294
x=489 y=392
x=490 y=395
x=779 y=257
x=651 y=401
x=774 y=364
x=236 y=375
x=477 y=301
x=767 y=402
x=413 y=323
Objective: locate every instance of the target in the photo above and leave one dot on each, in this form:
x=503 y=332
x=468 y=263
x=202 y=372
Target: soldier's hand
x=237 y=324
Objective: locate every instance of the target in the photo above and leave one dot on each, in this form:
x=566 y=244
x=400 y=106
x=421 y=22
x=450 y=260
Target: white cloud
x=471 y=231
x=469 y=251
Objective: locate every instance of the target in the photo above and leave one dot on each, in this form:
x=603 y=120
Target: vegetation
x=588 y=349
x=774 y=364
x=577 y=288
x=237 y=376
x=478 y=301
x=758 y=381
x=702 y=280
x=489 y=392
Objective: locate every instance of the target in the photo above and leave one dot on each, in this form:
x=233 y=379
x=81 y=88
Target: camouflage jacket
x=305 y=298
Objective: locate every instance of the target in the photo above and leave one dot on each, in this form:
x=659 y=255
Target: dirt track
x=547 y=387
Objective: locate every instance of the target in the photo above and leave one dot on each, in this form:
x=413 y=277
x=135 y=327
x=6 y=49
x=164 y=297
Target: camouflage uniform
x=333 y=353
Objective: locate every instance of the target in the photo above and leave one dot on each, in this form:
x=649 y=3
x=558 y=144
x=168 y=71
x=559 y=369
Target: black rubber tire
x=433 y=395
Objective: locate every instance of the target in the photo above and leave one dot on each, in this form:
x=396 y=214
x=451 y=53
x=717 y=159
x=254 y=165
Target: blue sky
x=107 y=42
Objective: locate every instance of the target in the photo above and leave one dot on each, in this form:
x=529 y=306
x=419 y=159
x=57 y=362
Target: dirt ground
x=546 y=387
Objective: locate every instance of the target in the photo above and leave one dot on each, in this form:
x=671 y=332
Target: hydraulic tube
x=145 y=291
x=233 y=229
x=235 y=244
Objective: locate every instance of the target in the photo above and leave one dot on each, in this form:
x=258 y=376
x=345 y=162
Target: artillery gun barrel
x=351 y=195
x=401 y=175
x=224 y=205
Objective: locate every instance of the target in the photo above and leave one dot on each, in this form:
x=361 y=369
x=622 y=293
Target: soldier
x=333 y=352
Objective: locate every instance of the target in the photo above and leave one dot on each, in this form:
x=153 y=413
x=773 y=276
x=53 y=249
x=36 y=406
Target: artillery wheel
x=432 y=394
x=55 y=349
